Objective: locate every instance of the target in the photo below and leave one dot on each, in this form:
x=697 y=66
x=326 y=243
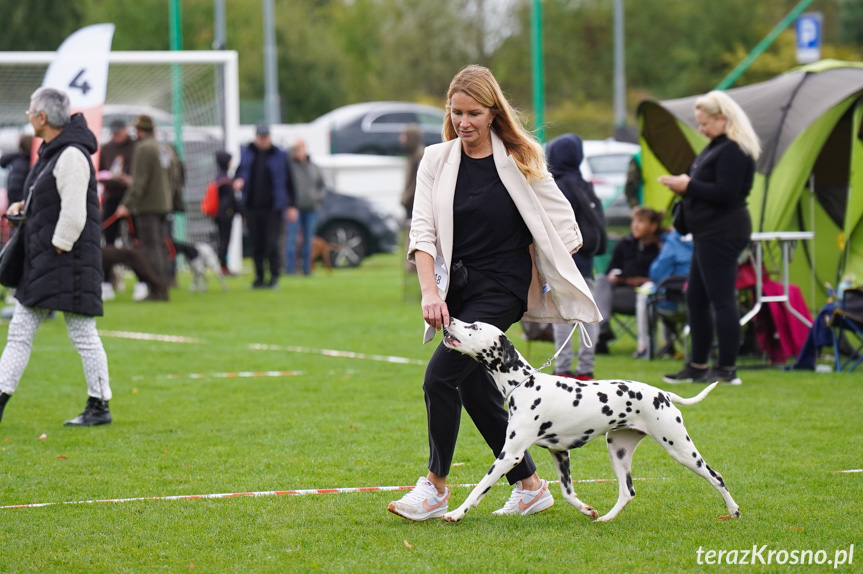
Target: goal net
x=193 y=98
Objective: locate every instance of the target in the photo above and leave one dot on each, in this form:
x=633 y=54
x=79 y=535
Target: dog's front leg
x=561 y=461
x=504 y=463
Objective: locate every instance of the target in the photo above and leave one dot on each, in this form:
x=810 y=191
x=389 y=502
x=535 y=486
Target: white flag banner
x=80 y=68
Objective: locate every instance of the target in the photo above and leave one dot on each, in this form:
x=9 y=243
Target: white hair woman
x=714 y=200
x=483 y=197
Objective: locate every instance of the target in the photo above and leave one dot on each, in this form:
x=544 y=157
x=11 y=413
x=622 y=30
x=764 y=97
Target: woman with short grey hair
x=63 y=254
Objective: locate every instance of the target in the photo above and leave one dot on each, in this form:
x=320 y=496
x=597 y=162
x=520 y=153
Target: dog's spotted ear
x=509 y=356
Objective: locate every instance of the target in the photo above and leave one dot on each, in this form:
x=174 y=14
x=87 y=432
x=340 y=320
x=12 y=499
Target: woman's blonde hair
x=480 y=84
x=738 y=126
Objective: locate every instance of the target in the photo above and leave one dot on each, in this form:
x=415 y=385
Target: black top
x=489 y=234
x=261 y=184
x=632 y=257
x=715 y=200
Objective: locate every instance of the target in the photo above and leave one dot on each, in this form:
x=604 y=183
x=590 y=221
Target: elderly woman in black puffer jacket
x=63 y=256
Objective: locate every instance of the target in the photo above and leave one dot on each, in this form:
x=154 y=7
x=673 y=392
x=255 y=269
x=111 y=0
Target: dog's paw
x=606 y=518
x=588 y=511
x=453 y=516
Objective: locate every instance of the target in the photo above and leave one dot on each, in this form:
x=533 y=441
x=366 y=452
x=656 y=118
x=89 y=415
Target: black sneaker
x=4 y=398
x=687 y=374
x=95 y=413
x=727 y=376
x=258 y=283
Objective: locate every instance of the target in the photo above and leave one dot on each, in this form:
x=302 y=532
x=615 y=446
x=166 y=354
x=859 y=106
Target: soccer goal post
x=193 y=97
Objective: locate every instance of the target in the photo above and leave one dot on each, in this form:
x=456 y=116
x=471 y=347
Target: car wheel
x=351 y=242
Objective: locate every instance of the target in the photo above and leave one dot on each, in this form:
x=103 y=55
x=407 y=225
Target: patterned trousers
x=82 y=332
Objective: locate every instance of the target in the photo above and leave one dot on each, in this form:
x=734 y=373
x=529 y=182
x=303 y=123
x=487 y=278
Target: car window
x=618 y=163
x=395 y=121
x=429 y=122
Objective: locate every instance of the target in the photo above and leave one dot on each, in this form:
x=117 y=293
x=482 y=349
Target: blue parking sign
x=808 y=27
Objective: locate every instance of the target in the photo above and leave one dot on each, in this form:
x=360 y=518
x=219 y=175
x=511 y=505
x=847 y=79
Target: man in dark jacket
x=18 y=165
x=63 y=256
x=267 y=193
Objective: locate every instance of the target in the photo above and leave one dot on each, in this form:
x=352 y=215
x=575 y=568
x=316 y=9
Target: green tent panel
x=810 y=173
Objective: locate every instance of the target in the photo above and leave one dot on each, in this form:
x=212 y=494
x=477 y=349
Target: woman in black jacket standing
x=63 y=255
x=714 y=201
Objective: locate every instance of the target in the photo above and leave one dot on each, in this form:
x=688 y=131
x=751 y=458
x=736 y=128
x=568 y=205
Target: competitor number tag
x=441 y=276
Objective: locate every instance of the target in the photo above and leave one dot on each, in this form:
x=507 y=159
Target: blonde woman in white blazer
x=492 y=237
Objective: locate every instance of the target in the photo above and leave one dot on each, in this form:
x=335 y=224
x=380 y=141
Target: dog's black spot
x=552 y=438
x=699 y=462
x=621 y=416
x=575 y=403
x=484 y=492
x=637 y=411
x=664 y=439
x=688 y=439
x=623 y=387
x=564 y=386
x=603 y=398
x=621 y=453
x=535 y=404
x=606 y=410
x=631 y=394
x=661 y=401
x=609 y=440
x=585 y=438
x=694 y=455
x=588 y=431
x=544 y=427
x=612 y=422
x=502 y=455
x=671 y=443
x=581 y=385
x=629 y=484
x=512 y=435
x=511 y=404
x=536 y=418
x=529 y=384
x=538 y=387
x=638 y=395
x=629 y=409
x=678 y=420
x=629 y=403
x=576 y=444
x=491 y=470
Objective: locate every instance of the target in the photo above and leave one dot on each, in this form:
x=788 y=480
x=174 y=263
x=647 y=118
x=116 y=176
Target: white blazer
x=558 y=292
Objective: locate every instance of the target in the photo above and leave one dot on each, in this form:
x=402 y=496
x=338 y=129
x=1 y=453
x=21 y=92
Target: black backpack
x=588 y=214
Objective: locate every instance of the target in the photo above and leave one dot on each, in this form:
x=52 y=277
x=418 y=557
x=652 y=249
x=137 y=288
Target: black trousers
x=224 y=227
x=712 y=293
x=264 y=227
x=453 y=380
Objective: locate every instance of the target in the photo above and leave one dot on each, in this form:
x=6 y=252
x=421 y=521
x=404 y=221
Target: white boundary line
x=235 y=375
x=335 y=353
x=149 y=337
x=350 y=490
x=848 y=471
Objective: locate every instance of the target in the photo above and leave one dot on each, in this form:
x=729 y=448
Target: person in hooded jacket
x=18 y=164
x=63 y=255
x=565 y=154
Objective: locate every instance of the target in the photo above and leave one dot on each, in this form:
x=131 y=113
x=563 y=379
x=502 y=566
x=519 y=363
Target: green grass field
x=341 y=422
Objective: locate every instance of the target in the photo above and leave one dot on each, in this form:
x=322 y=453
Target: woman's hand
x=15 y=208
x=676 y=183
x=435 y=311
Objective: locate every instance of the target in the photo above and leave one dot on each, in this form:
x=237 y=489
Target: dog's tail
x=677 y=400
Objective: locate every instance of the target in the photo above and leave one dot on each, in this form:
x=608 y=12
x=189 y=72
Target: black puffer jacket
x=18 y=165
x=65 y=281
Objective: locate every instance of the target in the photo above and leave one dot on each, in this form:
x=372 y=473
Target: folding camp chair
x=847 y=325
x=667 y=307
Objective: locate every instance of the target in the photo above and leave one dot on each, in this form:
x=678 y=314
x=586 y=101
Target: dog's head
x=485 y=343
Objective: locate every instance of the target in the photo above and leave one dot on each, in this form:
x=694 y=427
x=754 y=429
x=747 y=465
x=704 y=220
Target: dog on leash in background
x=560 y=414
x=201 y=257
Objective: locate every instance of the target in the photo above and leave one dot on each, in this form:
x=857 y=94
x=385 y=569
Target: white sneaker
x=107 y=292
x=141 y=291
x=421 y=503
x=526 y=502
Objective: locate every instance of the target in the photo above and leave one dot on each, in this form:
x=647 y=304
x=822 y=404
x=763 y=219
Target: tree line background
x=336 y=52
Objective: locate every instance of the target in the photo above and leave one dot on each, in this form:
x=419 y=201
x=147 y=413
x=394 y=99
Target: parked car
x=605 y=164
x=374 y=127
x=354 y=224
x=357 y=226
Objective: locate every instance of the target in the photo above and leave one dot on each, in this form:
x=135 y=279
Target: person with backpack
x=220 y=203
x=565 y=154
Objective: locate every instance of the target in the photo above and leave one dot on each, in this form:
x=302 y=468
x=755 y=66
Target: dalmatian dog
x=561 y=414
